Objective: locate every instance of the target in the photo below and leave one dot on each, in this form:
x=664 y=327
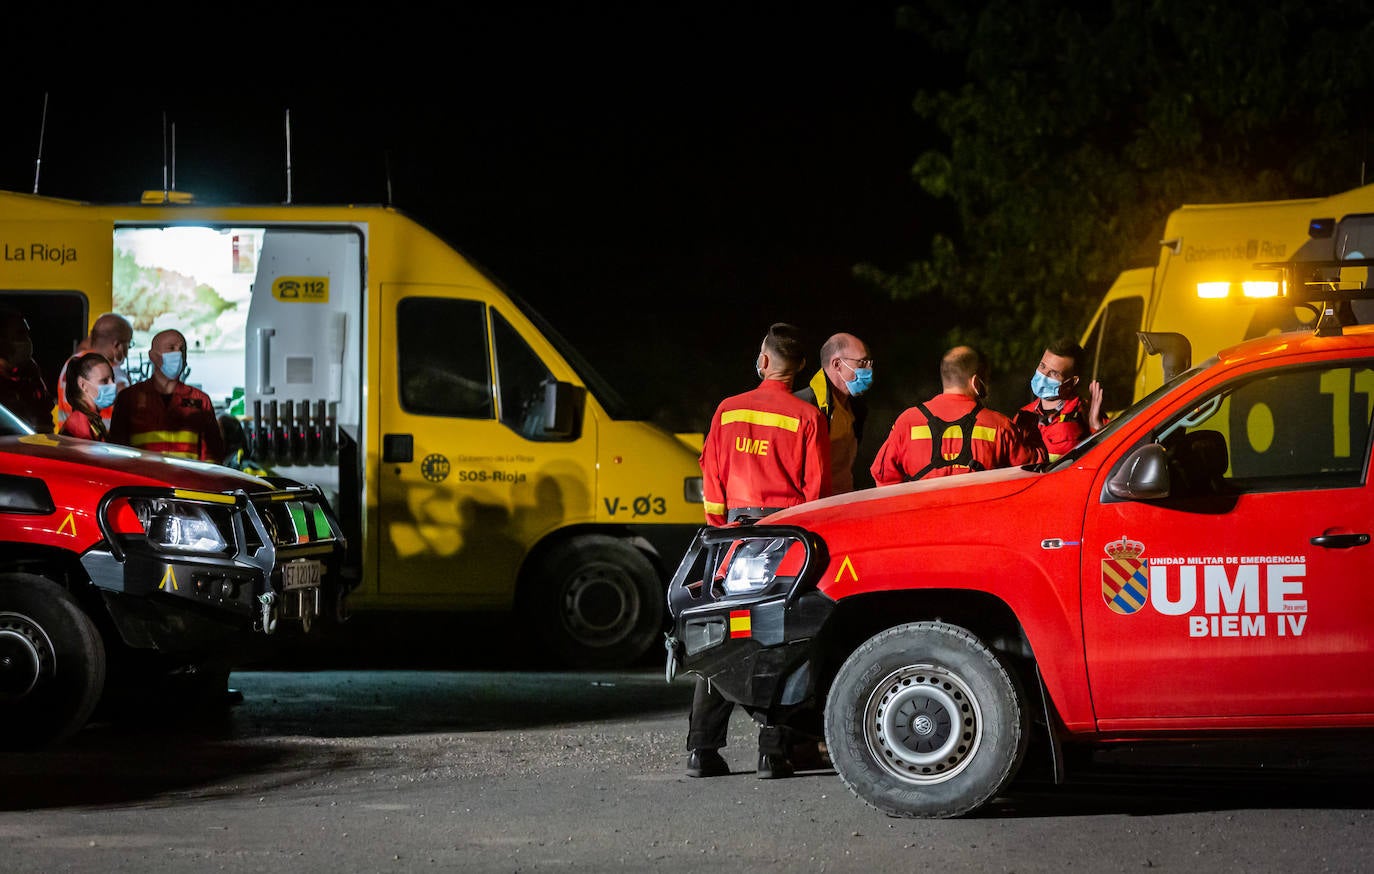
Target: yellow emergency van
x=475 y=461
x=1211 y=284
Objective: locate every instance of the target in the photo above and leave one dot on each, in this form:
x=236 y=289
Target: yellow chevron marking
x=846 y=564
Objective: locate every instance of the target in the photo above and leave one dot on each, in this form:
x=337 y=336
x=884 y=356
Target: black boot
x=773 y=766
x=706 y=763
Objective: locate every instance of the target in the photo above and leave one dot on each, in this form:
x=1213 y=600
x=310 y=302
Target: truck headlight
x=756 y=564
x=184 y=526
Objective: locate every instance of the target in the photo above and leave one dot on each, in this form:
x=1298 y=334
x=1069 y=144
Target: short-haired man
x=164 y=414
x=952 y=433
x=110 y=335
x=846 y=373
x=766 y=450
x=1057 y=419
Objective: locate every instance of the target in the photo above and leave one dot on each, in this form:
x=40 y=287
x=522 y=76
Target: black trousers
x=709 y=721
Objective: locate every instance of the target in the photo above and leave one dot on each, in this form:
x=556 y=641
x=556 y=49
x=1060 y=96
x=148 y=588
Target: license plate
x=302 y=574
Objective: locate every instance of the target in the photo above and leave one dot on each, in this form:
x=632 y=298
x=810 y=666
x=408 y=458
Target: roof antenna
x=42 y=127
x=386 y=157
x=174 y=156
x=288 y=156
x=164 y=154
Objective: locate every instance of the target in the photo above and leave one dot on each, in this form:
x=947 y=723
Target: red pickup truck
x=1199 y=567
x=148 y=565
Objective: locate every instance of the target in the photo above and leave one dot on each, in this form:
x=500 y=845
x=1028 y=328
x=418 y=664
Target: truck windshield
x=1135 y=409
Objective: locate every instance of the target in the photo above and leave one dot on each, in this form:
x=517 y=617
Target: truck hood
x=46 y=455
x=962 y=490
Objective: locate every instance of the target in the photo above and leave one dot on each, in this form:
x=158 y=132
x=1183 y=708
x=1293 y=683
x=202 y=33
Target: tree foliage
x=1068 y=133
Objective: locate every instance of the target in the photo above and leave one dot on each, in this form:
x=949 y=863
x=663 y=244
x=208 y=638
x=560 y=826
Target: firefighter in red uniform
x=1057 y=419
x=164 y=414
x=953 y=432
x=766 y=450
x=111 y=336
x=22 y=389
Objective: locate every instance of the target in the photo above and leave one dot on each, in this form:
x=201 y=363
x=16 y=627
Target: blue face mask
x=1045 y=388
x=171 y=364
x=862 y=381
x=105 y=395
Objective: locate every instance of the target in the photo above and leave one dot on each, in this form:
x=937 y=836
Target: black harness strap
x=938 y=427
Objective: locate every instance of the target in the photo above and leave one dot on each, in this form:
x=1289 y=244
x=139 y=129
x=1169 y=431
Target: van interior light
x=1213 y=289
x=1260 y=288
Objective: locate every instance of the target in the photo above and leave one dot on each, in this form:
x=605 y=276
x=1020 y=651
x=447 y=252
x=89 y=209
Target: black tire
x=52 y=663
x=923 y=720
x=595 y=602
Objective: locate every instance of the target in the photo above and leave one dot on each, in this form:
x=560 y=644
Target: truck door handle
x=265 y=336
x=1340 y=541
x=398 y=448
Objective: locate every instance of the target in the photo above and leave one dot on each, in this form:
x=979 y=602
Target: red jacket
x=995 y=442
x=181 y=424
x=766 y=448
x=84 y=425
x=1058 y=430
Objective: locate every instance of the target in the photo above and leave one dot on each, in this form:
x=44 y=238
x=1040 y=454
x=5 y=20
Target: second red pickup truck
x=1199 y=567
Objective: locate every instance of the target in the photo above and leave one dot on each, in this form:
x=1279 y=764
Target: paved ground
x=490 y=769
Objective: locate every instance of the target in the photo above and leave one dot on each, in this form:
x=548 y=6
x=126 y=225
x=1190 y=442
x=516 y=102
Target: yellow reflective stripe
x=980 y=432
x=713 y=508
x=759 y=417
x=214 y=497
x=143 y=438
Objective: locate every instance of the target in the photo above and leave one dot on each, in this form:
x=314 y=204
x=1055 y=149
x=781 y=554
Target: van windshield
x=1135 y=409
x=616 y=406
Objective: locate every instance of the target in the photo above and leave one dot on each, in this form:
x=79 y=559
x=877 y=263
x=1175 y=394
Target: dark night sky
x=661 y=181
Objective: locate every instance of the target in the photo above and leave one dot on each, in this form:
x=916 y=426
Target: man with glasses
x=837 y=388
x=111 y=336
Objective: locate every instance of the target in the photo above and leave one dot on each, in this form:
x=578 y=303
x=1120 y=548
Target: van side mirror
x=1141 y=476
x=560 y=408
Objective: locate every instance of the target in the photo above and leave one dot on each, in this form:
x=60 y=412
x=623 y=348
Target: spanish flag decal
x=739 y=623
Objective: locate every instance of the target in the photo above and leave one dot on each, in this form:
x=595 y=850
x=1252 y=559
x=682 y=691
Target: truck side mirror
x=560 y=408
x=1175 y=349
x=1141 y=476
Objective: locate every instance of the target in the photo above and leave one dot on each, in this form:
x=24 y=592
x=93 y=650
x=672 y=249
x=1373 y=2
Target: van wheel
x=52 y=663
x=923 y=720
x=594 y=601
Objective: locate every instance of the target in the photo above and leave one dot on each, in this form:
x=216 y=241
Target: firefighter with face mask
x=164 y=414
x=1057 y=419
x=837 y=389
x=766 y=450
